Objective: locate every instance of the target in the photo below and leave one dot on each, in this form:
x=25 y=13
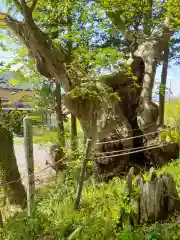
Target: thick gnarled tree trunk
x=134 y=114
x=14 y=190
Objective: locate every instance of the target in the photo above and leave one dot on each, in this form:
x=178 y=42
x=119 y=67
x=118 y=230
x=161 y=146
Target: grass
x=44 y=135
x=174 y=169
x=19 y=140
x=54 y=216
x=172 y=112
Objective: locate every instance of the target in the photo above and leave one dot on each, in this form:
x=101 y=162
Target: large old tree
x=146 y=30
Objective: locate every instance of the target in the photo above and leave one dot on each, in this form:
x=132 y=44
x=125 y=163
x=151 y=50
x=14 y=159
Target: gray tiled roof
x=4 y=81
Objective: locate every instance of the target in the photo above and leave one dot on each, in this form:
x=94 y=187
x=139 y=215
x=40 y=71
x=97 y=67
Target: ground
x=40 y=156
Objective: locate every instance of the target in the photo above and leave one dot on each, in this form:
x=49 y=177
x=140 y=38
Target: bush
x=16 y=120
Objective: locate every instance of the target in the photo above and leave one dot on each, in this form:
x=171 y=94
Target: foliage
x=85 y=30
x=95 y=220
x=45 y=135
x=89 y=28
x=45 y=96
x=25 y=75
x=172 y=119
x=102 y=203
x=173 y=168
x=171 y=135
x=78 y=24
x=16 y=121
x=172 y=112
x=96 y=93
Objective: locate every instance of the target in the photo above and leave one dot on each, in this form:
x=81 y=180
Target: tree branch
x=18 y=5
x=26 y=9
x=34 y=5
x=115 y=17
x=17 y=27
x=23 y=3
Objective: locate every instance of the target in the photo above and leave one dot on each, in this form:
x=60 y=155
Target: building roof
x=4 y=82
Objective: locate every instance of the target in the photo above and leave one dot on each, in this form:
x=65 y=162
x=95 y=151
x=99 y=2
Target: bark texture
x=59 y=116
x=157 y=197
x=15 y=191
x=50 y=58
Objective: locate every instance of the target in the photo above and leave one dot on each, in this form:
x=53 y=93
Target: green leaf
x=13 y=82
x=74 y=233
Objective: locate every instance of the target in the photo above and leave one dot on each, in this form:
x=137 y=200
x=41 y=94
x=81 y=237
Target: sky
x=173 y=78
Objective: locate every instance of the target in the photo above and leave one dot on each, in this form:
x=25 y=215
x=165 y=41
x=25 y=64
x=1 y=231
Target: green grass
x=47 y=136
x=44 y=135
x=18 y=140
x=172 y=112
x=54 y=216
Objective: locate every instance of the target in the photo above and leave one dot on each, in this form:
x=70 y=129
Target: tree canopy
x=98 y=36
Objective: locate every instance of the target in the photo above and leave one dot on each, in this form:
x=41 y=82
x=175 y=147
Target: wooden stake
x=1 y=220
x=82 y=173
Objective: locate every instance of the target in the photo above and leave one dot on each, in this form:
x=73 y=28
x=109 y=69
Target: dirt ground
x=40 y=156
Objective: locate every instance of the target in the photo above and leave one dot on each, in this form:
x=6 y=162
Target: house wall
x=11 y=95
x=52 y=121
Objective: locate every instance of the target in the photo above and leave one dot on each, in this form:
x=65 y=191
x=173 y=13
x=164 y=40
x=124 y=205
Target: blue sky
x=173 y=78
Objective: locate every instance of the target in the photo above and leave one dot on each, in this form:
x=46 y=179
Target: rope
x=40 y=182
x=128 y=153
x=42 y=170
x=139 y=136
x=122 y=154
x=125 y=150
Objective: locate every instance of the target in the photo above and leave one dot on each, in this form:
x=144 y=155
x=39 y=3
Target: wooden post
x=28 y=146
x=82 y=173
x=1 y=220
x=74 y=141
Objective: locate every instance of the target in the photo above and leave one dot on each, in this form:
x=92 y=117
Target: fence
x=36 y=154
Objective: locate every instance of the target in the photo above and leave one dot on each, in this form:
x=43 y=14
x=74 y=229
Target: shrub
x=16 y=120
